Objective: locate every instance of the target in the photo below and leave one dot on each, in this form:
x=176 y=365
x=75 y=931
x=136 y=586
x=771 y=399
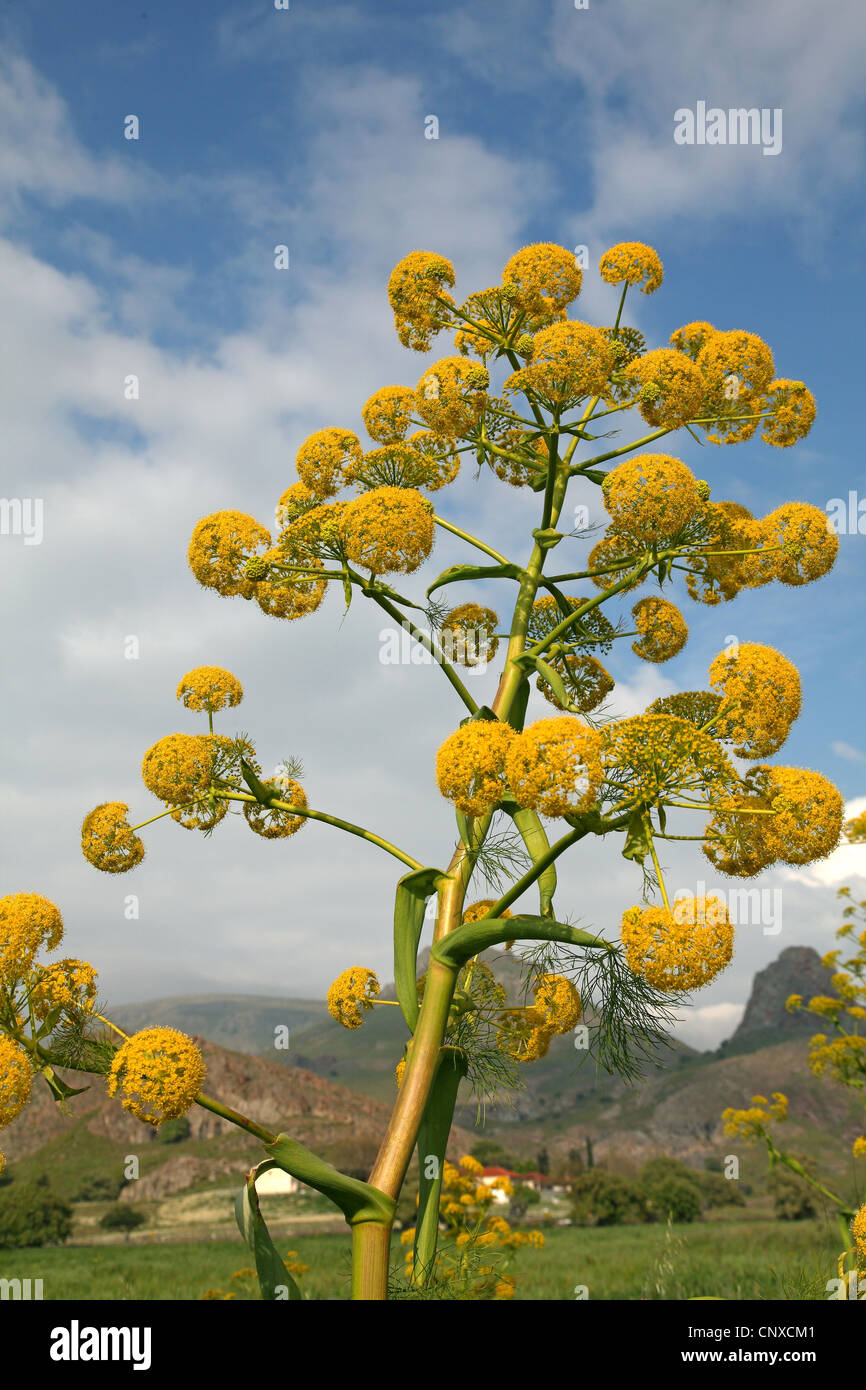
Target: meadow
x=739 y=1259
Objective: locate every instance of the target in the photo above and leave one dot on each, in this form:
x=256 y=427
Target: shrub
x=99 y=1189
x=599 y=1198
x=173 y=1131
x=33 y=1215
x=791 y=1197
x=673 y=1198
x=122 y=1218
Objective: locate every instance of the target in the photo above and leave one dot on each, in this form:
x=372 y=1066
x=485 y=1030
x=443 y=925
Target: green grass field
x=731 y=1260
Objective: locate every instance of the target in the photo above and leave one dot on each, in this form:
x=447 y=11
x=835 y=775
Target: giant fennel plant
x=529 y=398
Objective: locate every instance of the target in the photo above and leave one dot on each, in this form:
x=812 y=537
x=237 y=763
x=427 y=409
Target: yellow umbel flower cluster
x=843 y=1057
x=451 y=395
x=792 y=415
x=523 y=1034
x=657 y=754
x=662 y=628
x=570 y=361
x=16 y=1079
x=179 y=767
x=469 y=634
x=108 y=841
x=858 y=1230
x=210 y=688
x=753 y=1122
x=273 y=822
x=807 y=544
x=634 y=263
x=558 y=1002
x=678 y=949
x=763 y=689
x=157 y=1074
x=352 y=994
x=668 y=387
x=28 y=923
x=651 y=498
x=587 y=683
x=547 y=278
x=66 y=984
x=389 y=530
x=691 y=337
x=388 y=413
x=325 y=460
x=470 y=765
x=554 y=766
x=220 y=547
x=737 y=368
x=417 y=294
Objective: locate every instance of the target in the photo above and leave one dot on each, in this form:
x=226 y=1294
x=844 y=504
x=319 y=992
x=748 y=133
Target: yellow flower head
x=858 y=1230
x=451 y=395
x=417 y=294
x=434 y=459
x=284 y=594
x=609 y=557
x=651 y=496
x=476 y=911
x=471 y=1165
x=763 y=687
x=807 y=823
x=294 y=502
x=547 y=277
x=468 y=634
x=753 y=1122
x=157 y=1073
x=737 y=368
x=107 y=840
x=388 y=413
x=505 y=1286
x=220 y=547
x=691 y=337
x=716 y=577
x=587 y=683
x=809 y=545
x=523 y=1034
x=179 y=767
x=793 y=413
x=557 y=1000
x=28 y=923
x=470 y=765
x=569 y=362
x=859 y=1148
x=351 y=995
x=633 y=262
x=271 y=822
x=737 y=843
x=16 y=1077
x=389 y=530
x=210 y=688
x=679 y=949
x=67 y=984
x=325 y=460
x=652 y=754
x=668 y=386
x=662 y=628
x=554 y=766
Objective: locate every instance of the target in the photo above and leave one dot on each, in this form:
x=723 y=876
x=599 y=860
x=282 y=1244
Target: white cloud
x=848 y=752
x=706 y=1025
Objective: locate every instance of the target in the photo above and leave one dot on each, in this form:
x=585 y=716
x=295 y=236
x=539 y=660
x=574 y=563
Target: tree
x=543 y=1161
x=531 y=400
x=174 y=1131
x=792 y=1198
x=122 y=1218
x=32 y=1215
x=492 y=1155
x=523 y=1198
x=99 y=1189
x=600 y=1198
x=672 y=1198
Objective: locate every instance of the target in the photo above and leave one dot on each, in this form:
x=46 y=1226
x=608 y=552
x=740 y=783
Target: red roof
x=517 y=1177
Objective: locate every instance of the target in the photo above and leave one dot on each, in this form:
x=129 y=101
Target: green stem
x=327 y=820
x=471 y=540
x=426 y=642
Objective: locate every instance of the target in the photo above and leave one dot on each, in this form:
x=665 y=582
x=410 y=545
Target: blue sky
x=155 y=257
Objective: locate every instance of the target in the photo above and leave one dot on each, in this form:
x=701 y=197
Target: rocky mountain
x=797 y=970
